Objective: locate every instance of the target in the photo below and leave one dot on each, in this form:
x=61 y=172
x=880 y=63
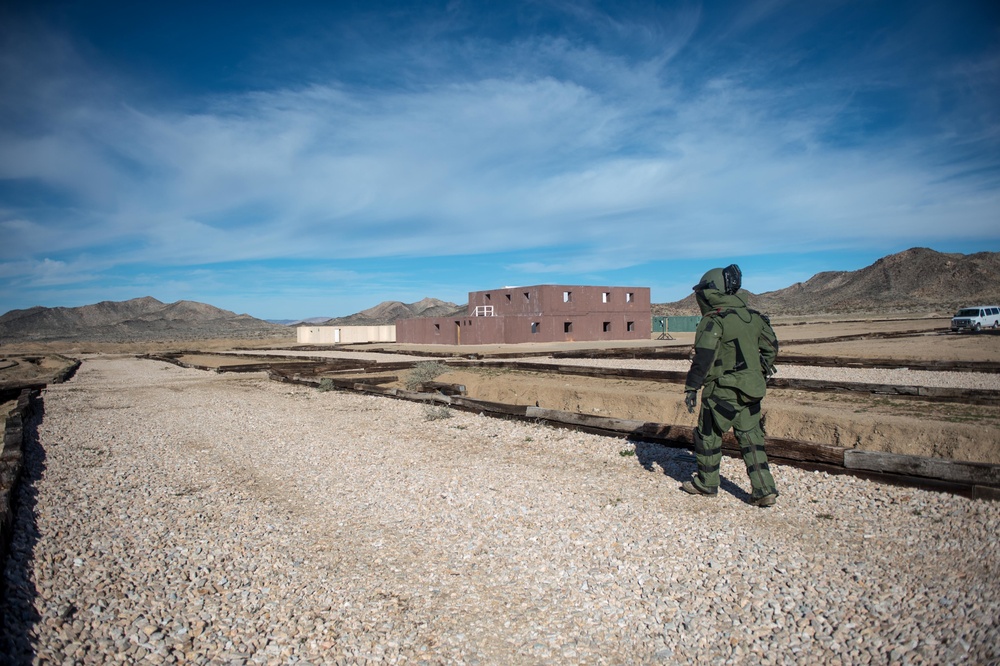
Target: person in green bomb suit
x=734 y=352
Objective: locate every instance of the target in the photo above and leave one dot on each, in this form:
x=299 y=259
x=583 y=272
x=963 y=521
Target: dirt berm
x=954 y=431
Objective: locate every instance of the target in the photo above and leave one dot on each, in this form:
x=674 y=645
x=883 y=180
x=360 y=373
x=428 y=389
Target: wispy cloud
x=628 y=144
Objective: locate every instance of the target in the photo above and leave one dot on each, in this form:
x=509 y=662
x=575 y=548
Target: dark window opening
x=630 y=326
x=568 y=327
x=567 y=296
x=437 y=329
x=629 y=297
x=607 y=327
x=535 y=326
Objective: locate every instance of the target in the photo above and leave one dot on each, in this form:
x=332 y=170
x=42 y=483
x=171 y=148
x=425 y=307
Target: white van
x=975 y=318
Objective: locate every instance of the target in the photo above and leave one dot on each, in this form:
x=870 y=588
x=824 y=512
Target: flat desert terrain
x=174 y=515
x=953 y=430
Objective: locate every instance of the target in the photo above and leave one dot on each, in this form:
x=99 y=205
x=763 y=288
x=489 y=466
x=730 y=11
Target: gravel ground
x=893 y=376
x=379 y=357
x=180 y=516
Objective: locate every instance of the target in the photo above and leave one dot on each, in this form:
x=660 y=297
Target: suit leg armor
x=708 y=449
x=750 y=435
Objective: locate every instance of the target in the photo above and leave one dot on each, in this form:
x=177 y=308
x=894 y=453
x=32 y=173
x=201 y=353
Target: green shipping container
x=682 y=324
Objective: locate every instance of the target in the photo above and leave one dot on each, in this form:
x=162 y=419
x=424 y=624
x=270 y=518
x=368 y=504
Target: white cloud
x=46 y=273
x=533 y=144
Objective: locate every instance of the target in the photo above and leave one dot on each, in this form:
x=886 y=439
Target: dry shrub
x=424 y=372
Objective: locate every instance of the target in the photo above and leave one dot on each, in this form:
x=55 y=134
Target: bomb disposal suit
x=734 y=352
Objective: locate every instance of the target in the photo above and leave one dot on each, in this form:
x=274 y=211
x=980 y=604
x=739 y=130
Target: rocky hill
x=388 y=312
x=136 y=320
x=918 y=280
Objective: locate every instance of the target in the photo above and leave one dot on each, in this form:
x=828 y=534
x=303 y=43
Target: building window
x=487 y=298
x=527 y=296
x=567 y=296
x=535 y=326
x=629 y=296
x=630 y=326
x=607 y=327
x=606 y=297
x=567 y=327
x=508 y=297
x=437 y=329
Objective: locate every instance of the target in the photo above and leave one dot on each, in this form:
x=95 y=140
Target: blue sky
x=300 y=159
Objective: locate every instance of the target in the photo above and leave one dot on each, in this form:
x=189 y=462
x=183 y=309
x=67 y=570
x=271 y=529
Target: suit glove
x=691 y=400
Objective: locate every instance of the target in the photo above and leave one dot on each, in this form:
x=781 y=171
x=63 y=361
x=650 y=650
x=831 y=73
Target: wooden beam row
x=928 y=393
x=975 y=480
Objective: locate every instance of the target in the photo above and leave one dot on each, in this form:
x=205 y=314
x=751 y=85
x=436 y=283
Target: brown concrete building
x=542 y=313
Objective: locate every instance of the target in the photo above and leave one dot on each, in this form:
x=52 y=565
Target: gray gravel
x=180 y=516
x=893 y=376
x=379 y=357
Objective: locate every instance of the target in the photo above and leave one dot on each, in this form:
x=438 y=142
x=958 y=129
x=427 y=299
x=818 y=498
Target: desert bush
x=434 y=413
x=325 y=384
x=424 y=372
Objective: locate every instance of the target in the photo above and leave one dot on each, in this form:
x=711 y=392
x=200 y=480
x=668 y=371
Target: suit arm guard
x=702 y=363
x=768 y=345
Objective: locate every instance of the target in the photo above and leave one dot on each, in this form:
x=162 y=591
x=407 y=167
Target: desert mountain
x=139 y=319
x=388 y=312
x=918 y=280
